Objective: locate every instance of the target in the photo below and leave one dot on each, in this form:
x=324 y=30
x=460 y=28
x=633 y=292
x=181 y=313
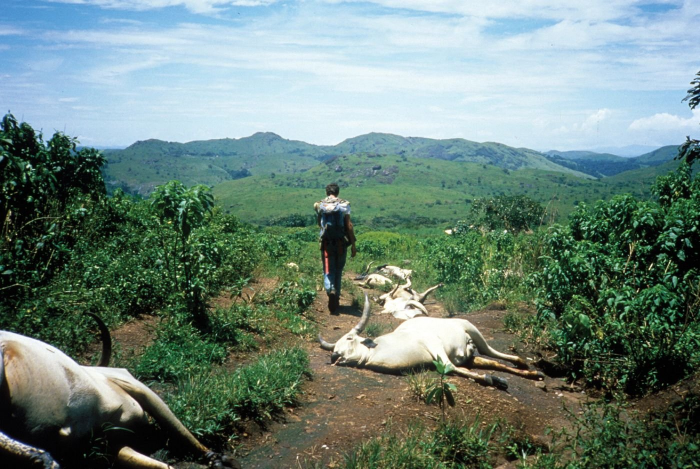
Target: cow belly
x=396 y=355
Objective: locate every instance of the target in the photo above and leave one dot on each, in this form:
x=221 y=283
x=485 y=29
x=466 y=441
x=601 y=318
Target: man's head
x=332 y=189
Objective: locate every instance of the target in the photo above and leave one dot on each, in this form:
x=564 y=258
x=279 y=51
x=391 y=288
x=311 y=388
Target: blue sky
x=541 y=74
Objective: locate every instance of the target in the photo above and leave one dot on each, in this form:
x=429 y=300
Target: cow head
x=350 y=348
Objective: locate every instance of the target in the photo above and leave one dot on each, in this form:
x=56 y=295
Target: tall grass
x=210 y=404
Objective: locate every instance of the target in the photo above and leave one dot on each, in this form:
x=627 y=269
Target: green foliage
x=618 y=289
x=382 y=247
x=513 y=212
x=454 y=444
x=46 y=192
x=238 y=325
x=179 y=349
x=441 y=390
x=289 y=301
x=184 y=210
x=293 y=220
x=605 y=435
x=210 y=404
x=478 y=268
x=690 y=150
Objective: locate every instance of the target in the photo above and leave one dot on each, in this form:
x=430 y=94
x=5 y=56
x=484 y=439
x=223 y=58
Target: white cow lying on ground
x=373 y=280
x=419 y=342
x=383 y=271
x=405 y=303
x=398 y=272
x=50 y=406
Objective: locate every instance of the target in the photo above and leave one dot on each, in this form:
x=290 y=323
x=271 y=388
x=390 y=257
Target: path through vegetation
x=343 y=407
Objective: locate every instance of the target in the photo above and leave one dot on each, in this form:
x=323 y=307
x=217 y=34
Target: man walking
x=333 y=215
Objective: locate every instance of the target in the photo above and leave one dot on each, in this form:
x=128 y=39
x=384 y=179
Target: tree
x=46 y=189
x=690 y=150
x=182 y=210
x=512 y=212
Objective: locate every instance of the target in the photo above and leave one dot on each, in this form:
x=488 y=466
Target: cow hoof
x=44 y=459
x=540 y=376
x=496 y=382
x=222 y=461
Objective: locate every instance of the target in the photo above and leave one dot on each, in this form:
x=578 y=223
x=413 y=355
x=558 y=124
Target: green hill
x=659 y=156
x=455 y=149
x=391 y=180
x=392 y=191
x=606 y=164
x=146 y=164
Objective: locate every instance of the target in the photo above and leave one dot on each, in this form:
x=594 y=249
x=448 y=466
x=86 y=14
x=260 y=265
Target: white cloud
x=511 y=71
x=595 y=10
x=6 y=30
x=665 y=122
x=593 y=121
x=195 y=6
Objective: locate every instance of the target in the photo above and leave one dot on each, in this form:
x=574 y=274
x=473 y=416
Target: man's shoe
x=332 y=302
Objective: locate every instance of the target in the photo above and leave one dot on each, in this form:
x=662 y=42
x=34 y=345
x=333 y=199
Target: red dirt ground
x=343 y=407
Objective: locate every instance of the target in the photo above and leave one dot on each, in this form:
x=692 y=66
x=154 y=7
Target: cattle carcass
x=405 y=303
x=373 y=280
x=420 y=341
x=50 y=406
x=398 y=272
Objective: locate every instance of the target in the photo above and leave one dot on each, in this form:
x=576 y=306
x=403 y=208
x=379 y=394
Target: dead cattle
x=418 y=342
x=50 y=406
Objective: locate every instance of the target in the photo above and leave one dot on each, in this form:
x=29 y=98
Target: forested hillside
x=144 y=165
x=602 y=165
x=403 y=191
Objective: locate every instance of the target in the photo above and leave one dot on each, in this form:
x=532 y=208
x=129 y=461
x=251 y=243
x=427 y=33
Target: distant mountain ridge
x=146 y=164
x=605 y=164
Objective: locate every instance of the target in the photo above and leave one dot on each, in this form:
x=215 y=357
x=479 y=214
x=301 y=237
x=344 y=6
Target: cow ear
x=369 y=343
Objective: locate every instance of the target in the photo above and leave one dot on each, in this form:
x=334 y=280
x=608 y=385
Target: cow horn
x=417 y=305
x=106 y=339
x=326 y=345
x=365 y=317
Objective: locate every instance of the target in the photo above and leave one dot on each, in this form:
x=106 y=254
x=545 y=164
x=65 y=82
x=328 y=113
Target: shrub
x=618 y=289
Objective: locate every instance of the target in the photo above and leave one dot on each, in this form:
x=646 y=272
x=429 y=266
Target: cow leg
x=484 y=380
x=14 y=448
x=130 y=459
x=162 y=414
x=485 y=349
x=486 y=363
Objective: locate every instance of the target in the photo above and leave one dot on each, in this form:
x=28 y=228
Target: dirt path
x=344 y=406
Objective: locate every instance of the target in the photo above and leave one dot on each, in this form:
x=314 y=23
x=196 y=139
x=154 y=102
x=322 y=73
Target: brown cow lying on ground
x=50 y=406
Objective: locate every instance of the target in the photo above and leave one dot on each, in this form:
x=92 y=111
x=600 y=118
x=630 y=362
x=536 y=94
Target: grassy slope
x=146 y=164
x=406 y=187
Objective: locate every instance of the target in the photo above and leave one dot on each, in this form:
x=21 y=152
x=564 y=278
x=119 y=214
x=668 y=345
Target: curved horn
x=326 y=345
x=106 y=339
x=417 y=305
x=365 y=317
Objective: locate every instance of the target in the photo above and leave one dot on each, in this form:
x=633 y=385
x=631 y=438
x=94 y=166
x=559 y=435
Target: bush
x=618 y=289
x=606 y=435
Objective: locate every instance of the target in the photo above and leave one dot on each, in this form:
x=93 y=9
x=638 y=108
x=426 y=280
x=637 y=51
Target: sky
x=540 y=74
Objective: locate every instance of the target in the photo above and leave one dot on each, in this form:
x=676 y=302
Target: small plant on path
x=440 y=390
